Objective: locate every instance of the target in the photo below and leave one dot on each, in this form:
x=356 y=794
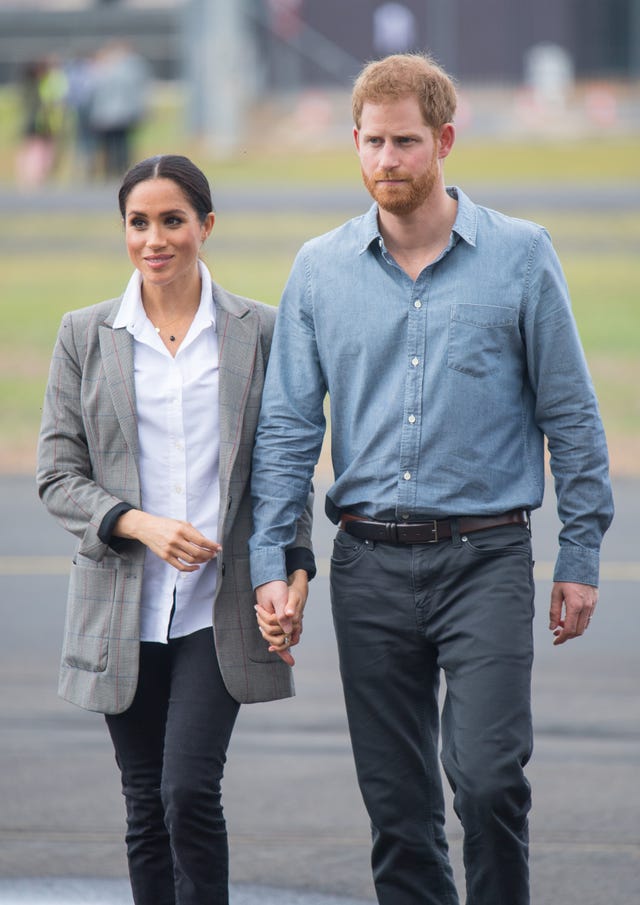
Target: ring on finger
x=286 y=640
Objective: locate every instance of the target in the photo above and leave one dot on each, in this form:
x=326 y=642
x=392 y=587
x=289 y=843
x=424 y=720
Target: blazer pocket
x=93 y=592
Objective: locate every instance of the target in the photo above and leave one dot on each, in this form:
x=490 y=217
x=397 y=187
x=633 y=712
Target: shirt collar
x=132 y=315
x=465 y=225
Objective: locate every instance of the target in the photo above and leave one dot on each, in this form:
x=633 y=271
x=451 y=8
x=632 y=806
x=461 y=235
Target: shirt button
x=412 y=419
x=415 y=362
x=407 y=475
x=405 y=515
x=417 y=304
x=178 y=488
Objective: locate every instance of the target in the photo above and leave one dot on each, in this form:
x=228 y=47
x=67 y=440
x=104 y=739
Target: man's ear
x=446 y=140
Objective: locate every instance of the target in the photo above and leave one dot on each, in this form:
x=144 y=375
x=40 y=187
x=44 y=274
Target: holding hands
x=279 y=613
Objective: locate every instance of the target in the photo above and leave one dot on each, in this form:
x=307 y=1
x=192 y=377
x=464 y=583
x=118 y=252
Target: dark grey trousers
x=402 y=615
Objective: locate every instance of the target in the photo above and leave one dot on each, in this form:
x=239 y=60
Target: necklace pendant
x=172 y=339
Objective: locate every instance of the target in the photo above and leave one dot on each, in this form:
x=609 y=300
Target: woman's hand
x=174 y=541
x=280 y=615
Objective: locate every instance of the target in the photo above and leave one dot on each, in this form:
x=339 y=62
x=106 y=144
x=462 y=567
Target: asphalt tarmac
x=298 y=832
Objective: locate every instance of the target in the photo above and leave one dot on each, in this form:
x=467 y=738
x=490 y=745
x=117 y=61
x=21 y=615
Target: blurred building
x=323 y=42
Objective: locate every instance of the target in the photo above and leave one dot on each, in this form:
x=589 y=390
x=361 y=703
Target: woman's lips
x=157 y=260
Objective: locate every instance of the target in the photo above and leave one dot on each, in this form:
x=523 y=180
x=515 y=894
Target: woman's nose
x=155 y=236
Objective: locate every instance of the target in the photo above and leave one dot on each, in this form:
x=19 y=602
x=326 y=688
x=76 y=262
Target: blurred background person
x=44 y=88
x=80 y=73
x=118 y=105
x=394 y=28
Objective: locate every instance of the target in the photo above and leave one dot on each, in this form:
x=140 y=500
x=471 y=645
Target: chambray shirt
x=441 y=390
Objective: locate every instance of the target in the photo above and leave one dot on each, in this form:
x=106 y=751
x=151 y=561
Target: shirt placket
x=412 y=413
x=177 y=483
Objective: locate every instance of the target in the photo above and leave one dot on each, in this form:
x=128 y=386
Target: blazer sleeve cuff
x=300 y=558
x=108 y=523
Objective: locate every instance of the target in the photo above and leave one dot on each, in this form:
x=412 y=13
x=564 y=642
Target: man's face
x=398 y=155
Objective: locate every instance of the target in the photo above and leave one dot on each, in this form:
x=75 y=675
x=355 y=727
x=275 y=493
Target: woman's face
x=163 y=232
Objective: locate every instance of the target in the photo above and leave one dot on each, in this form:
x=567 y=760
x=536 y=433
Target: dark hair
x=181 y=170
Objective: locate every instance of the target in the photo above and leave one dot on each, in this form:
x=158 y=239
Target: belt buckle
x=416 y=533
x=434 y=531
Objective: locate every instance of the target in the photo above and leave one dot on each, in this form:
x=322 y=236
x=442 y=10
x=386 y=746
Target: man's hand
x=174 y=541
x=279 y=610
x=572 y=607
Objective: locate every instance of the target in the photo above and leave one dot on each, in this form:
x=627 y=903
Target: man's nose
x=388 y=156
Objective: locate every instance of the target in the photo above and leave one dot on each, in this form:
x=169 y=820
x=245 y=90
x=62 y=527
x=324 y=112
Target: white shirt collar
x=131 y=313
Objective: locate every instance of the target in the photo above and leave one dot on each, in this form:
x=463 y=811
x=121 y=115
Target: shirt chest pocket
x=479 y=335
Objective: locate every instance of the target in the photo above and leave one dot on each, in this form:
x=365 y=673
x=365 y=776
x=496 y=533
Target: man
x=443 y=334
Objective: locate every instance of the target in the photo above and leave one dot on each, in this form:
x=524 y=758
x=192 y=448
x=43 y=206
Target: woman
x=144 y=455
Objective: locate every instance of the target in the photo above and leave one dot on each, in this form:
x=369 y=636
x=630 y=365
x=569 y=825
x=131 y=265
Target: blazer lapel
x=116 y=348
x=237 y=328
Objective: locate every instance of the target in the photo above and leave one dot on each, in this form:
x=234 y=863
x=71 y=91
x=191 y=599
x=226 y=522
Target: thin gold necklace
x=160 y=327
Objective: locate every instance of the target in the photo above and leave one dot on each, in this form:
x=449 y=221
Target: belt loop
x=455 y=533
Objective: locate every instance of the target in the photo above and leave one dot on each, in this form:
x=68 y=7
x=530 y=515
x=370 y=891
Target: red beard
x=403 y=197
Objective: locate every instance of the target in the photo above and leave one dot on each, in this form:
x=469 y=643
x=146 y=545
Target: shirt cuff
x=300 y=558
x=577 y=564
x=108 y=523
x=267 y=564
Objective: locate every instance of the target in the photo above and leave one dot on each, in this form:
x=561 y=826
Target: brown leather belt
x=426 y=532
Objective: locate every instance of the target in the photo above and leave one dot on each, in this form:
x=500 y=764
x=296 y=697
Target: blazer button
x=223 y=568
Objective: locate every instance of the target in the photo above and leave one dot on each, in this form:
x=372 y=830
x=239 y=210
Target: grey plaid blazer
x=87 y=463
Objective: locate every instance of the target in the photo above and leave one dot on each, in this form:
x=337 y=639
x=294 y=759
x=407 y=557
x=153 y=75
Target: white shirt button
x=407 y=475
x=417 y=304
x=415 y=362
x=412 y=419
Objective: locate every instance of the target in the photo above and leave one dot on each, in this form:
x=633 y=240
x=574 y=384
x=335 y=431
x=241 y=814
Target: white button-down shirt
x=178 y=433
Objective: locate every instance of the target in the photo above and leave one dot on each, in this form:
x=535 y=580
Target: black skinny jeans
x=171 y=749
